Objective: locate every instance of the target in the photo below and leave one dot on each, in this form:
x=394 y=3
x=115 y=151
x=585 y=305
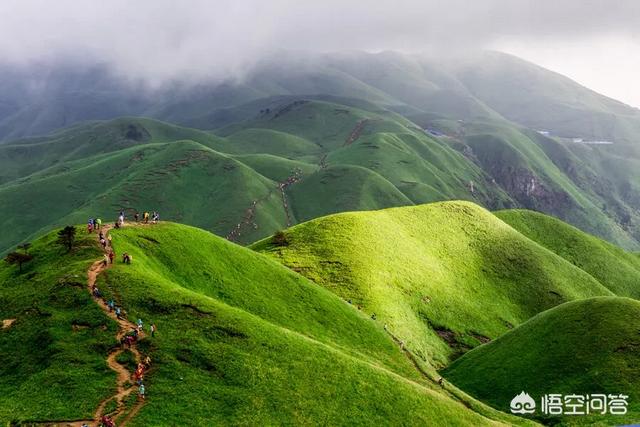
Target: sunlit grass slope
x=444 y=277
x=581 y=347
x=243 y=340
x=613 y=267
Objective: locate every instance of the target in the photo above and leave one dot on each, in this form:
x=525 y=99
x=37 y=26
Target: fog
x=594 y=42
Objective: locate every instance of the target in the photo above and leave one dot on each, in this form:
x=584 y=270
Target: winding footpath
x=125 y=380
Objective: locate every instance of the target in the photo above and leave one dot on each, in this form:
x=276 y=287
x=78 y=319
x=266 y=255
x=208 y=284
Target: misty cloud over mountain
x=161 y=40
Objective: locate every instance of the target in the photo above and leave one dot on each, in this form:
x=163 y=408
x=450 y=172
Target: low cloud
x=160 y=40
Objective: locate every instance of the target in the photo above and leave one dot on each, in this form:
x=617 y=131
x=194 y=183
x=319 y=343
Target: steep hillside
x=616 y=269
x=540 y=99
x=541 y=174
x=443 y=277
x=581 y=347
x=53 y=337
x=240 y=340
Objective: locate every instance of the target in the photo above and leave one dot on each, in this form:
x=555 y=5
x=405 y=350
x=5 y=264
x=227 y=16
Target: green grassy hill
x=241 y=340
x=300 y=161
x=616 y=269
x=444 y=277
x=581 y=347
x=53 y=354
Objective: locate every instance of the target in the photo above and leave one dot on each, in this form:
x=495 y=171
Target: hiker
x=134 y=333
x=111 y=304
x=118 y=312
x=441 y=382
x=139 y=324
x=141 y=391
x=103 y=242
x=105 y=260
x=152 y=329
x=373 y=316
x=156 y=217
x=121 y=220
x=136 y=217
x=116 y=224
x=98 y=224
x=89 y=228
x=101 y=235
x=146 y=217
x=125 y=258
x=96 y=292
x=106 y=421
x=147 y=361
x=112 y=255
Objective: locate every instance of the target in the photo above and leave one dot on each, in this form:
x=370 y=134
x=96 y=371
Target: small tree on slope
x=18 y=258
x=67 y=237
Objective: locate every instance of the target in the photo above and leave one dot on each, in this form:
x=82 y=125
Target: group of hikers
x=153 y=218
x=132 y=336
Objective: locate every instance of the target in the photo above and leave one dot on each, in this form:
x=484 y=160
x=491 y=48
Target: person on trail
x=134 y=333
x=136 y=217
x=112 y=255
x=373 y=316
x=121 y=220
x=155 y=218
x=106 y=421
x=103 y=242
x=96 y=292
x=118 y=313
x=441 y=382
x=141 y=391
x=111 y=304
x=105 y=260
x=122 y=213
x=98 y=224
x=101 y=235
x=146 y=217
x=152 y=329
x=126 y=258
x=89 y=228
x=139 y=324
x=147 y=361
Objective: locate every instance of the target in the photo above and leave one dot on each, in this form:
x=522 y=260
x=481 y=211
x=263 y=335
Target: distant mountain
x=296 y=162
x=353 y=130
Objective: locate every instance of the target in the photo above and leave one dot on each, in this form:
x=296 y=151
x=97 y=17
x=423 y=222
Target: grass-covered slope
x=614 y=268
x=581 y=347
x=243 y=340
x=183 y=180
x=52 y=355
x=438 y=274
x=301 y=160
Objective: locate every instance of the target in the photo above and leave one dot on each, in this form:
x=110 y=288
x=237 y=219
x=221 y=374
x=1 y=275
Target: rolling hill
x=241 y=339
x=444 y=277
x=376 y=130
x=616 y=269
x=256 y=178
x=581 y=347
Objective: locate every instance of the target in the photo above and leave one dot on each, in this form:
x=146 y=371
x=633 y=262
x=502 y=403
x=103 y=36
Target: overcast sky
x=595 y=42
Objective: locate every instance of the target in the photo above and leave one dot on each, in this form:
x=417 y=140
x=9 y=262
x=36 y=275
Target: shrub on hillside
x=280 y=239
